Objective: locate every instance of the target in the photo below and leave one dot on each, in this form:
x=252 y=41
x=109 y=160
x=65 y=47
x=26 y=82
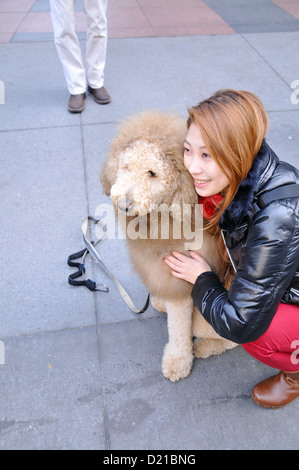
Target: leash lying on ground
x=91 y=285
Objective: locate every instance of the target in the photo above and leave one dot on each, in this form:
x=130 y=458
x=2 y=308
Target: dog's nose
x=124 y=204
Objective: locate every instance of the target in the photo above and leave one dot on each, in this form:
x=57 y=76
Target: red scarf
x=209 y=205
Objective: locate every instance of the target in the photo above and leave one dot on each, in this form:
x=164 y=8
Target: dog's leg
x=178 y=358
x=206 y=347
x=158 y=304
x=207 y=342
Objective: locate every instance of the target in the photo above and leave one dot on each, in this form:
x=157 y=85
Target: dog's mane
x=167 y=132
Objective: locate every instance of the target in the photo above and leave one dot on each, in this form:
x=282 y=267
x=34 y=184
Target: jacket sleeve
x=266 y=267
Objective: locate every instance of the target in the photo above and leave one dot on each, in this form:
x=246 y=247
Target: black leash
x=90 y=284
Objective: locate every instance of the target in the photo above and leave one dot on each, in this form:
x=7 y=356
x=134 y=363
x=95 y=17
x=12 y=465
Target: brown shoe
x=100 y=95
x=76 y=103
x=277 y=391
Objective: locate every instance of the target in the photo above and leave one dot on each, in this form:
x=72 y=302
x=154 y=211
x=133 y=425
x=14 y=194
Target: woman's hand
x=187 y=267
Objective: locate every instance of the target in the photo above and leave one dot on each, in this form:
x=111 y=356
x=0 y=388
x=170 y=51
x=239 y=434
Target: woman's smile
x=201 y=183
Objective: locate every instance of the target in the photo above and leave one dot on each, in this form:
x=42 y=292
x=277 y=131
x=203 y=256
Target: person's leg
x=67 y=44
x=278 y=347
x=96 y=48
x=96 y=44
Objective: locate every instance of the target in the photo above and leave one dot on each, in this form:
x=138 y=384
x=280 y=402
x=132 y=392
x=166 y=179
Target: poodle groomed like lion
x=145 y=177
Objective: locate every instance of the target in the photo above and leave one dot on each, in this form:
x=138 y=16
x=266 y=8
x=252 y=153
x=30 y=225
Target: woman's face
x=208 y=178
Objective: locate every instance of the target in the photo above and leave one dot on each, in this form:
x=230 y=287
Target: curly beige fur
x=145 y=169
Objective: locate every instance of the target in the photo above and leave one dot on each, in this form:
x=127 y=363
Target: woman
x=234 y=172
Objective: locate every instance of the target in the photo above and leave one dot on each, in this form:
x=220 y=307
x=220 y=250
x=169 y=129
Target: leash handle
x=91 y=249
x=91 y=285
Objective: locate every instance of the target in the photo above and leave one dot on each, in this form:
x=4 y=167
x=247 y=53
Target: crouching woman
x=251 y=201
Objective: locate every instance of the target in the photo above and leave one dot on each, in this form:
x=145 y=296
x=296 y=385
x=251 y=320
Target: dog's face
x=144 y=178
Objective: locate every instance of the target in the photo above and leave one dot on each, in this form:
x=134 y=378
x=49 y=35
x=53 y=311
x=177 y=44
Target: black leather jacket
x=263 y=245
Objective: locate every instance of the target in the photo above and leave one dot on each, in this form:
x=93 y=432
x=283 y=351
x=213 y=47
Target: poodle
x=145 y=177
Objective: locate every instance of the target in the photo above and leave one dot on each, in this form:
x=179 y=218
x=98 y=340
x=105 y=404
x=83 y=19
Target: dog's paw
x=176 y=365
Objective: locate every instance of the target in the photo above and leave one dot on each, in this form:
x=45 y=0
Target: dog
x=144 y=175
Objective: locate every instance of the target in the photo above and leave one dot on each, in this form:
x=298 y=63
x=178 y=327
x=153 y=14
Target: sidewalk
x=80 y=370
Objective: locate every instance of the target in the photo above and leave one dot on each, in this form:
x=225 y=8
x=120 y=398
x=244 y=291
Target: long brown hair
x=232 y=124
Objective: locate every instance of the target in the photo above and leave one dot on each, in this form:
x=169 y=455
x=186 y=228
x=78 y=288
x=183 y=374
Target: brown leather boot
x=76 y=103
x=277 y=391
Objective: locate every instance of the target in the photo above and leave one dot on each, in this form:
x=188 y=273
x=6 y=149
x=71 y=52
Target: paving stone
x=51 y=393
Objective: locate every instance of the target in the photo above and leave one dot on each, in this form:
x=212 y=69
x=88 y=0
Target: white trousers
x=68 y=46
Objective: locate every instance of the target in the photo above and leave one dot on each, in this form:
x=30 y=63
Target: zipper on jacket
x=227 y=250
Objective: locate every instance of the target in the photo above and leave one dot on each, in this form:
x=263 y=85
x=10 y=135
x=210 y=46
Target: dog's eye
x=152 y=173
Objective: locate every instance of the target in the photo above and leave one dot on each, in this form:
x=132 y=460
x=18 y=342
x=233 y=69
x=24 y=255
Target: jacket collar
x=241 y=206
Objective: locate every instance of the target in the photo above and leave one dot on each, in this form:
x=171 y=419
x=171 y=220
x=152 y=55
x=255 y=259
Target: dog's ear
x=108 y=173
x=185 y=193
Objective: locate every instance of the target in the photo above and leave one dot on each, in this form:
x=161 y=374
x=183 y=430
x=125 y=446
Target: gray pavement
x=81 y=371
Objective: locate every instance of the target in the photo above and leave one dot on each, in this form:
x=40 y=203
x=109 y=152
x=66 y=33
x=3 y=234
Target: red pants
x=279 y=346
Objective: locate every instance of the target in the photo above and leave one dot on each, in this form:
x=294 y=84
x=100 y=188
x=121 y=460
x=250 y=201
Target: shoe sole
x=102 y=102
x=76 y=111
